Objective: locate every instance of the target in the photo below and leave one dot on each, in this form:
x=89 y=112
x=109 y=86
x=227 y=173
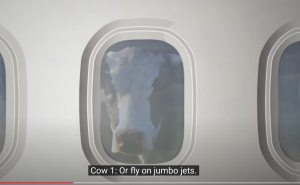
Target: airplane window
x=142 y=102
x=2 y=104
x=289 y=101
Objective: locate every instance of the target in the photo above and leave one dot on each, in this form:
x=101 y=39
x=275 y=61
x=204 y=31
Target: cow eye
x=109 y=89
x=109 y=98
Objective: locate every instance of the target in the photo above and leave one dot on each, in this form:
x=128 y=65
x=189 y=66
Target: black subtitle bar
x=148 y=170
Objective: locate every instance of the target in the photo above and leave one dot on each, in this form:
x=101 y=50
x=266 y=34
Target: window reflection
x=289 y=101
x=2 y=103
x=142 y=102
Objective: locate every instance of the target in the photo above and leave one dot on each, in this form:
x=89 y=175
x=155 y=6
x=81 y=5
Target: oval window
x=137 y=96
x=13 y=101
x=279 y=101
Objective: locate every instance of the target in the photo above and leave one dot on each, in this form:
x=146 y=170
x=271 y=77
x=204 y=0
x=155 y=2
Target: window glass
x=142 y=102
x=2 y=103
x=289 y=101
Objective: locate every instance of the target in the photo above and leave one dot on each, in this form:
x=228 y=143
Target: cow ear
x=173 y=59
x=105 y=83
x=104 y=65
x=175 y=68
x=171 y=72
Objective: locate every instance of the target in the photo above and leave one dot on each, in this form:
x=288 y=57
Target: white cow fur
x=133 y=72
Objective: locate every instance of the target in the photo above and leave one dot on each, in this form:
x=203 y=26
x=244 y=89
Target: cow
x=143 y=83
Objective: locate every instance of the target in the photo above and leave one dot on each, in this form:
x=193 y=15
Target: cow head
x=131 y=79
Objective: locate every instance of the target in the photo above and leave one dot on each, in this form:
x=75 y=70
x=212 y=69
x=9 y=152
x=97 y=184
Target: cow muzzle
x=128 y=142
x=134 y=141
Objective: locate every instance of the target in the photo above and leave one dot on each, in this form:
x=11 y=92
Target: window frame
x=114 y=32
x=267 y=101
x=16 y=101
